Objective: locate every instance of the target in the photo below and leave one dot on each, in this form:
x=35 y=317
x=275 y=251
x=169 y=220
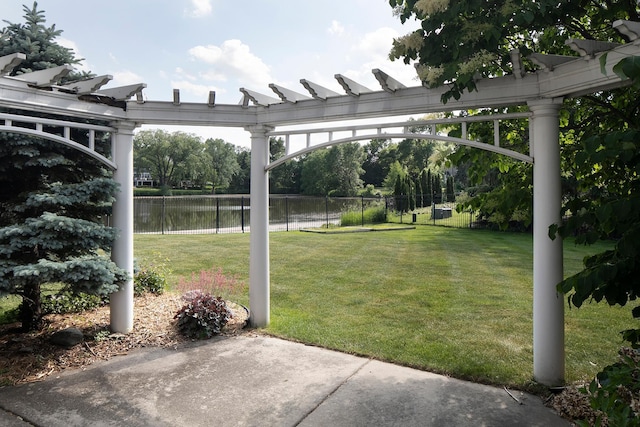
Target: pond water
x=232 y=214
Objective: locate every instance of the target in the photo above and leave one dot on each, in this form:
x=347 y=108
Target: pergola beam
x=388 y=83
x=549 y=62
x=9 y=62
x=45 y=77
x=288 y=95
x=630 y=29
x=589 y=48
x=352 y=88
x=317 y=91
x=88 y=86
x=122 y=93
x=257 y=98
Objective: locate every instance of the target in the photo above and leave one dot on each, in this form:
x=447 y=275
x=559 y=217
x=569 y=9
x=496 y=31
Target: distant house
x=143 y=179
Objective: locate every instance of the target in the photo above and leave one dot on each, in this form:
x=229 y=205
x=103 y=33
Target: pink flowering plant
x=212 y=282
x=206 y=294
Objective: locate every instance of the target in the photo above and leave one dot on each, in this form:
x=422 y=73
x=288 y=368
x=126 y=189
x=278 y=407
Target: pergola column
x=259 y=299
x=121 y=303
x=548 y=304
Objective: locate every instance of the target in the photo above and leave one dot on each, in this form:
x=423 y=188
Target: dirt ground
x=28 y=357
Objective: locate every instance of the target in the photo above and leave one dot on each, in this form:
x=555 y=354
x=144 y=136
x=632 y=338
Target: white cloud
x=376 y=44
x=372 y=51
x=199 y=8
x=232 y=59
x=336 y=28
x=125 y=77
x=199 y=91
x=70 y=44
x=183 y=74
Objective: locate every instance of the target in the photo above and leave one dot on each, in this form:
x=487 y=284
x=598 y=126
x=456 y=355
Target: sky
x=198 y=46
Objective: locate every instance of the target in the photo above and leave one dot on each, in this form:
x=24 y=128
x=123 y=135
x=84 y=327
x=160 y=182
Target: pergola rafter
x=541 y=91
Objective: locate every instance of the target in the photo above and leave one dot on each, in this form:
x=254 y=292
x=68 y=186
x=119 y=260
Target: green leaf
x=603 y=63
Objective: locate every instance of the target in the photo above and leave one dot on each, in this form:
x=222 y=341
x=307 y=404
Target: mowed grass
x=452 y=301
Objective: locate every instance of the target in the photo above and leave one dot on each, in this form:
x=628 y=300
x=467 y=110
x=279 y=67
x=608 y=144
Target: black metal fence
x=232 y=213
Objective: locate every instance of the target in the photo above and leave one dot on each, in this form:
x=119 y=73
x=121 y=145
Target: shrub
x=203 y=316
x=213 y=282
x=374 y=215
x=68 y=302
x=151 y=277
x=615 y=393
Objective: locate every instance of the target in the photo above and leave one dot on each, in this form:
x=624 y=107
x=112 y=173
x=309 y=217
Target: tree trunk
x=31 y=308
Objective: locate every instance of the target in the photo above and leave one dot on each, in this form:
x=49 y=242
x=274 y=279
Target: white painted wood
x=548 y=303
x=317 y=91
x=44 y=77
x=89 y=86
x=258 y=98
x=388 y=83
x=122 y=93
x=259 y=276
x=589 y=48
x=352 y=88
x=287 y=95
x=548 y=62
x=121 y=303
x=631 y=29
x=9 y=62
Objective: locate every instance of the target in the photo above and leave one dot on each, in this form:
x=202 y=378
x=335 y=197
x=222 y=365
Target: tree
x=37 y=42
x=53 y=199
x=241 y=181
x=169 y=157
x=345 y=163
x=333 y=171
x=436 y=188
x=223 y=162
x=461 y=41
x=426 y=185
x=395 y=170
x=450 y=195
x=286 y=177
x=313 y=179
x=375 y=165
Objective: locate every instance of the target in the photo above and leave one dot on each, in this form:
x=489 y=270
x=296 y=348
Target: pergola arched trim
x=45 y=135
x=458 y=141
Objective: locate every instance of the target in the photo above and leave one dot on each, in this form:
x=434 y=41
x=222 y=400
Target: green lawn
x=447 y=300
x=453 y=301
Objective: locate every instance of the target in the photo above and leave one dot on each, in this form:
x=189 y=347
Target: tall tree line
x=183 y=160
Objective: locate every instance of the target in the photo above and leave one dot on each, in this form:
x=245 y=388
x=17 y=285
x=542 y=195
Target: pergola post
x=259 y=299
x=548 y=304
x=121 y=304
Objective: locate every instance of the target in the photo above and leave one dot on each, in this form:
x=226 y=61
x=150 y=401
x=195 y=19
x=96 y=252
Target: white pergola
x=543 y=91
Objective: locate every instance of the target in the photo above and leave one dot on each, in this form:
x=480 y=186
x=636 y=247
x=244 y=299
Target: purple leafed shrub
x=213 y=282
x=203 y=316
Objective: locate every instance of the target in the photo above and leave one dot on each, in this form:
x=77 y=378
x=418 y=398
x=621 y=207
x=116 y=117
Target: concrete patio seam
x=18 y=418
x=332 y=392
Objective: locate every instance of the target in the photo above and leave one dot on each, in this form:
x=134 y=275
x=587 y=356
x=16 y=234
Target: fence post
x=162 y=214
x=286 y=211
x=362 y=213
x=326 y=210
x=242 y=213
x=217 y=215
